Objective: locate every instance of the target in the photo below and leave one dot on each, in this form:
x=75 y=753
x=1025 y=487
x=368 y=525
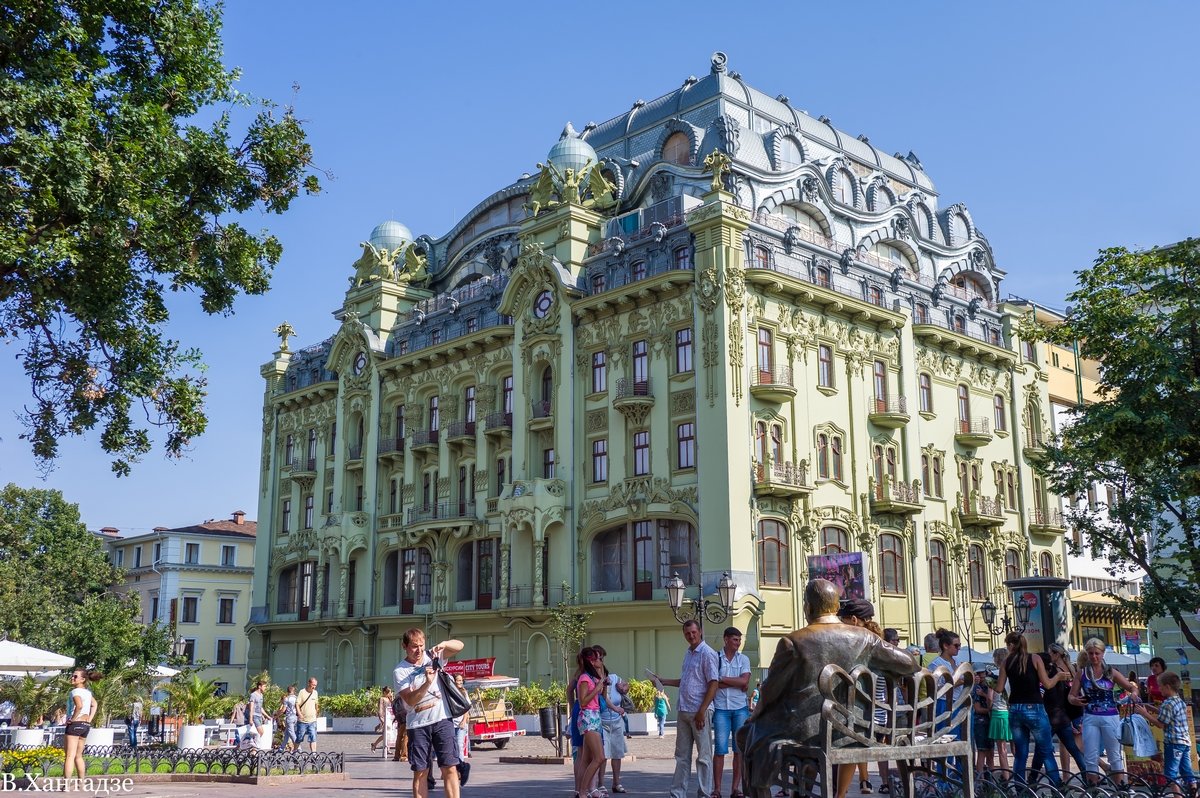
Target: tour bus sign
x=471 y=668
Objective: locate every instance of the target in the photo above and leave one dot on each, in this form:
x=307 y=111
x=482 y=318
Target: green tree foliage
x=1138 y=314
x=568 y=625
x=55 y=586
x=113 y=191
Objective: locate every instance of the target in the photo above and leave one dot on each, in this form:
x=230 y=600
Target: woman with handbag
x=1095 y=691
x=1027 y=718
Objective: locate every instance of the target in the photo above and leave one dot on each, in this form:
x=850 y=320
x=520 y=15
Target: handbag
x=457 y=704
x=1127 y=732
x=627 y=704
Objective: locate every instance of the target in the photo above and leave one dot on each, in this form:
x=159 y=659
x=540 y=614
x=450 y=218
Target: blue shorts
x=306 y=731
x=436 y=739
x=726 y=722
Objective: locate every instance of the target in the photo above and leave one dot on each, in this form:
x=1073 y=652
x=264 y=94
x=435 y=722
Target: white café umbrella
x=19 y=658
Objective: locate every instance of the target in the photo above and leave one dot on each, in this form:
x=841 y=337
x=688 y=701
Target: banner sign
x=844 y=570
x=470 y=668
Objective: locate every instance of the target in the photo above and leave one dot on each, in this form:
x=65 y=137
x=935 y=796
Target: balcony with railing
x=781 y=478
x=895 y=496
x=424 y=440
x=973 y=433
x=524 y=595
x=498 y=424
x=461 y=432
x=1035 y=447
x=303 y=465
x=354 y=453
x=961 y=336
x=979 y=510
x=441 y=511
x=774 y=384
x=1047 y=521
x=889 y=412
x=541 y=415
x=391 y=448
x=634 y=398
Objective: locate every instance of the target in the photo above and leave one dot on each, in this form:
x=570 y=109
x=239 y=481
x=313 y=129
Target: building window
x=472 y=324
x=678 y=552
x=191 y=554
x=762 y=258
x=685 y=434
x=766 y=355
x=1012 y=564
x=1046 y=564
x=329 y=501
x=332 y=439
x=285 y=516
x=975 y=572
x=1011 y=484
x=1028 y=353
x=465 y=572
x=834 y=540
x=415 y=576
x=191 y=609
x=835 y=456
x=435 y=419
x=823 y=456
x=153 y=608
x=925 y=389
x=119 y=557
x=599 y=372
x=683 y=350
x=937 y=569
x=964 y=404
x=776 y=443
x=358 y=497
x=609 y=556
x=938 y=468
x=137 y=553
x=875 y=295
x=225 y=609
x=224 y=652
x=189 y=651
x=881 y=386
x=683 y=258
x=920 y=313
x=312 y=449
x=288 y=450
x=891 y=564
x=547 y=388
x=157 y=553
x=548 y=463
x=507 y=394
x=229 y=556
x=499 y=475
x=678 y=149
x=599 y=283
x=308 y=511
x=600 y=460
x=641 y=363
x=773 y=567
x=843 y=188
x=393 y=496
x=469 y=403
x=825 y=366
x=641 y=453
x=435 y=336
x=637 y=271
x=824 y=277
x=998 y=408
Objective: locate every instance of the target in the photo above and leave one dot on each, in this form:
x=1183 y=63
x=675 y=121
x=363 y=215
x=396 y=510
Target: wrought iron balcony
x=1047 y=521
x=354 y=452
x=895 y=496
x=977 y=510
x=541 y=415
x=773 y=385
x=634 y=399
x=890 y=412
x=781 y=478
x=498 y=424
x=424 y=439
x=441 y=511
x=973 y=433
x=461 y=431
x=392 y=447
x=304 y=465
x=523 y=595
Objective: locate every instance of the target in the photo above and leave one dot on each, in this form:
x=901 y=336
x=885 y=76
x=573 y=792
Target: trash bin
x=546 y=723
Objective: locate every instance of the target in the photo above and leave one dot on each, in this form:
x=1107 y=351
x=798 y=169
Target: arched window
x=1012 y=564
x=843 y=187
x=465 y=572
x=762 y=258
x=823 y=456
x=760 y=442
x=923 y=220
x=925 y=388
x=776 y=443
x=834 y=540
x=958 y=229
x=881 y=199
x=1047 y=564
x=999 y=411
x=891 y=563
x=802 y=218
x=773 y=569
x=877 y=462
x=925 y=475
x=678 y=149
x=975 y=572
x=609 y=557
x=790 y=155
x=835 y=457
x=894 y=257
x=937 y=569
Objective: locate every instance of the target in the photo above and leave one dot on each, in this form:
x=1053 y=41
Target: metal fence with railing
x=974 y=426
x=775 y=375
x=890 y=404
x=627 y=388
x=441 y=511
x=522 y=595
x=541 y=409
x=498 y=421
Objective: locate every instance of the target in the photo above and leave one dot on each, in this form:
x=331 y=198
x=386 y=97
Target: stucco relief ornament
x=811 y=188
x=709 y=289
x=416 y=263
x=284 y=331
x=729 y=131
x=718 y=163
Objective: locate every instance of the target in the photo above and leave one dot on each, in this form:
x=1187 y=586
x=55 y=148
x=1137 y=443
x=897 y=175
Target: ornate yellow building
x=713 y=335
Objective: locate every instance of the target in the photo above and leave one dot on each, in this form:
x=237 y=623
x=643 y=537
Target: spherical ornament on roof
x=571 y=152
x=390 y=235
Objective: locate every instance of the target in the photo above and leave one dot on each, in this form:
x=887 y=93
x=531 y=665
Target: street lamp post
x=988 y=611
x=688 y=609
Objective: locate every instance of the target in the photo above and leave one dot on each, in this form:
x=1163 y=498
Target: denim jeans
x=1029 y=721
x=1177 y=761
x=726 y=722
x=1066 y=735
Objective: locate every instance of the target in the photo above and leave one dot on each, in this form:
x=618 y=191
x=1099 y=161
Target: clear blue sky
x=1064 y=127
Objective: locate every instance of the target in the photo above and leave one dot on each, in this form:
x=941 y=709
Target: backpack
x=399 y=709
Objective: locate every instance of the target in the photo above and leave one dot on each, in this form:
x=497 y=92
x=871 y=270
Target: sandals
x=864 y=787
x=619 y=788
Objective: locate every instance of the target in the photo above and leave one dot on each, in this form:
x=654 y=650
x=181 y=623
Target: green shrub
x=641 y=693
x=163 y=767
x=362 y=703
x=144 y=767
x=30 y=760
x=527 y=699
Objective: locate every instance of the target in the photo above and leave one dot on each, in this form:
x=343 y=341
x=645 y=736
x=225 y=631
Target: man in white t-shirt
x=430 y=730
x=732 y=706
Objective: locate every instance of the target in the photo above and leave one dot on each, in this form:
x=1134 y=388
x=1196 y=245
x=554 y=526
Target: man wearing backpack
x=306 y=715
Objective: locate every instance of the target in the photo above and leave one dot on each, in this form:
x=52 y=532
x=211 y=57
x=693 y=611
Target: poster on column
x=844 y=570
x=1035 y=633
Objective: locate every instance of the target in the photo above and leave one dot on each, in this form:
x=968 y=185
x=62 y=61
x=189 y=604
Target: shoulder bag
x=457 y=704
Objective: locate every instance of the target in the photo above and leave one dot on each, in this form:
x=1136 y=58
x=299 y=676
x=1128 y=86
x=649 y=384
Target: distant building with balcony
x=196 y=579
x=603 y=384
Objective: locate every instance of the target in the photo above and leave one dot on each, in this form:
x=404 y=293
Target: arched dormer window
x=790 y=155
x=881 y=198
x=678 y=149
x=894 y=258
x=959 y=230
x=843 y=187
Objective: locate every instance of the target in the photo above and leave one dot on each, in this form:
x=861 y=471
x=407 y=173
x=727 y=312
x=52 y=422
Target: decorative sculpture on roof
x=376 y=263
x=284 y=331
x=554 y=188
x=415 y=269
x=718 y=163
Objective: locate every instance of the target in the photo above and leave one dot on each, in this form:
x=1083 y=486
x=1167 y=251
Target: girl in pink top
x=587 y=689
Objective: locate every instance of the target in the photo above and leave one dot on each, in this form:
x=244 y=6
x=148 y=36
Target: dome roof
x=390 y=235
x=571 y=152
